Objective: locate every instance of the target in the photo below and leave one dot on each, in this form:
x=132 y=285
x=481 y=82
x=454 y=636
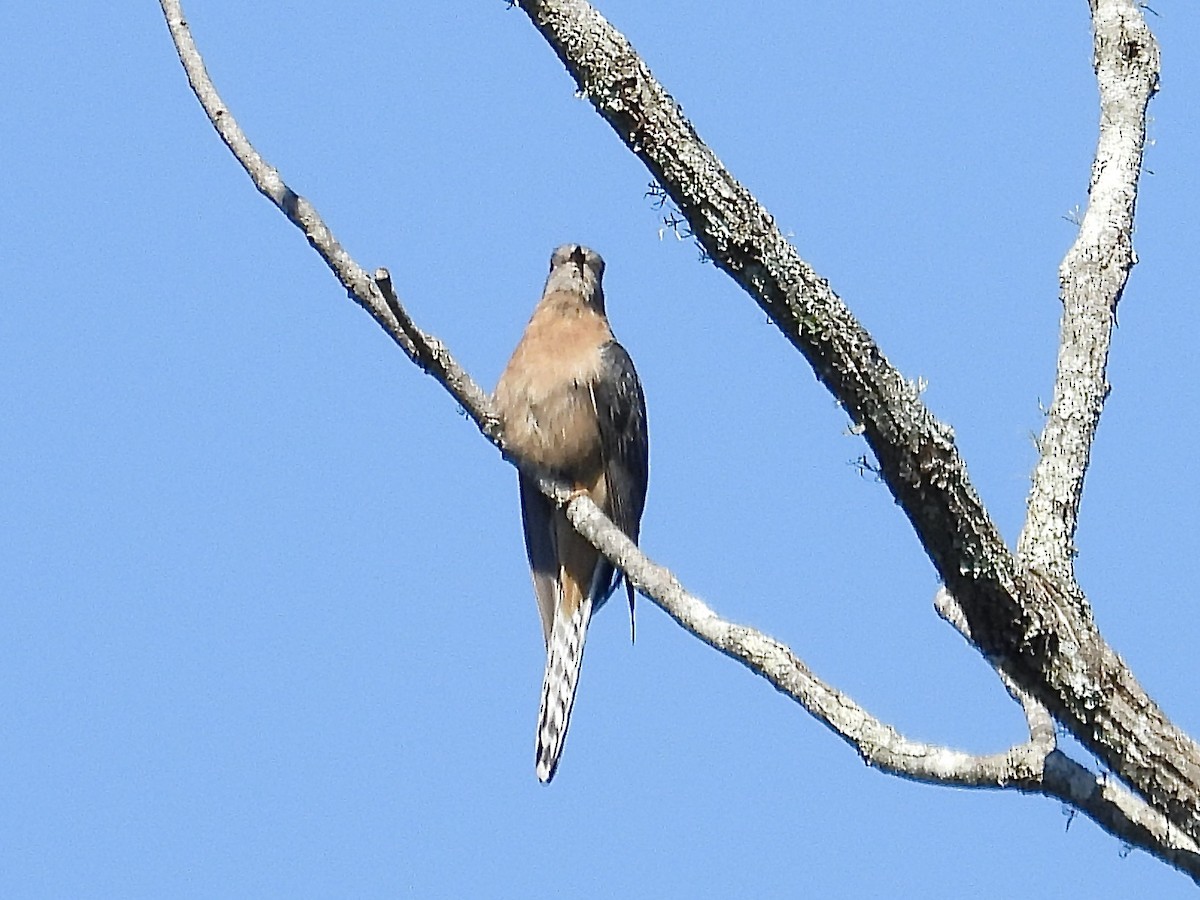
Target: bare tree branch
x=1039 y=629
x=1092 y=276
x=1033 y=767
x=426 y=352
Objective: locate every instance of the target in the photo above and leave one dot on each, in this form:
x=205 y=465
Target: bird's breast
x=545 y=396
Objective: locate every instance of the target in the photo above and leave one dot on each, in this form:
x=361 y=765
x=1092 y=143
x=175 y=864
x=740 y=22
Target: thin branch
x=1037 y=718
x=879 y=744
x=426 y=352
x=1092 y=277
x=434 y=359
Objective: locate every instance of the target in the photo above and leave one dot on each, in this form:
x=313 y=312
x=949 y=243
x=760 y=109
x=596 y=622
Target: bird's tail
x=564 y=655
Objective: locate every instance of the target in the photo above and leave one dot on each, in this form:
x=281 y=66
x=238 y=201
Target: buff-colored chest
x=545 y=395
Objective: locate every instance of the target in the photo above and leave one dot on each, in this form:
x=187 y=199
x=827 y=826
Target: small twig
x=383 y=280
x=1039 y=721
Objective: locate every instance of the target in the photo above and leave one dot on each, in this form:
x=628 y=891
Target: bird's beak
x=577 y=256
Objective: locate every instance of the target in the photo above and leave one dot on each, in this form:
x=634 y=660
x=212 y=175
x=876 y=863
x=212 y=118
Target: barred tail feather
x=564 y=655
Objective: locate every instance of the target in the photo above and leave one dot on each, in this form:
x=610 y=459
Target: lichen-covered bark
x=1092 y=278
x=1035 y=624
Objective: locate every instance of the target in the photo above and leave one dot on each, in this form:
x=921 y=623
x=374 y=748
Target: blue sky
x=266 y=623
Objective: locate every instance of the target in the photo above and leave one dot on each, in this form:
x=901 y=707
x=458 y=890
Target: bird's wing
x=537 y=516
x=625 y=447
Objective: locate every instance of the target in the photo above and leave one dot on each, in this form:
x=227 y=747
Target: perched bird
x=570 y=402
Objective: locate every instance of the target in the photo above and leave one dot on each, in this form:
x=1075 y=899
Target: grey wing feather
x=621 y=410
x=537 y=517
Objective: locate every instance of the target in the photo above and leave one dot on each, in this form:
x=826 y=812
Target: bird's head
x=577 y=269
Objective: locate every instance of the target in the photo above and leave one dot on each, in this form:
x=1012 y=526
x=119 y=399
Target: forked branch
x=743 y=240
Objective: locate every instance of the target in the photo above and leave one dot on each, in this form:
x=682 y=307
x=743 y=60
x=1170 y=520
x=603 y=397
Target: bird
x=570 y=403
